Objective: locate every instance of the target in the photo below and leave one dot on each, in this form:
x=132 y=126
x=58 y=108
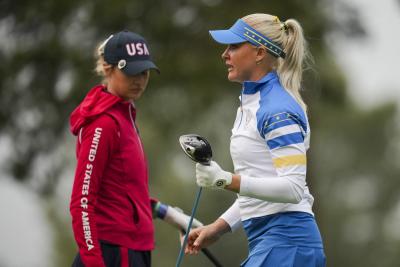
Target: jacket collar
x=251 y=87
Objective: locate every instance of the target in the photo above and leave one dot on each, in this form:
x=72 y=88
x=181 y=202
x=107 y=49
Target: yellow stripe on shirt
x=290 y=160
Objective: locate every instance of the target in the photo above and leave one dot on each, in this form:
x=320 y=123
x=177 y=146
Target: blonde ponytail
x=290 y=69
x=101 y=64
x=289 y=35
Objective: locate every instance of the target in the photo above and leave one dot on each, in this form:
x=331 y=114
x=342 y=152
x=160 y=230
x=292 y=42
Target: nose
x=225 y=54
x=141 y=77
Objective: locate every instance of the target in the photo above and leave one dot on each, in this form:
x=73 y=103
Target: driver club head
x=196 y=147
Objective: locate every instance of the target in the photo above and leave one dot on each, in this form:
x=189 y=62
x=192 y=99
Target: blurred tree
x=46 y=54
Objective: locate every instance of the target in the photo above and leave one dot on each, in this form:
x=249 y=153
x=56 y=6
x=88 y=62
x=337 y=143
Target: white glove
x=212 y=176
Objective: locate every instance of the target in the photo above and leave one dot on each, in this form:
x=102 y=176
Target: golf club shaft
x=211 y=257
x=196 y=203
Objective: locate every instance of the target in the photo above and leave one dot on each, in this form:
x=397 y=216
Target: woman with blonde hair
x=270 y=137
x=110 y=201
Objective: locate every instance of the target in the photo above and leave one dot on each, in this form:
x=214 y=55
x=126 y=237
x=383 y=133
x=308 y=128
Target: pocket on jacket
x=135 y=213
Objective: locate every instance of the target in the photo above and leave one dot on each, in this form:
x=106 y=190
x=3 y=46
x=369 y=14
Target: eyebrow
x=237 y=44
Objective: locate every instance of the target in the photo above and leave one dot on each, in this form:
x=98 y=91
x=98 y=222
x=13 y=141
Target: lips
x=229 y=66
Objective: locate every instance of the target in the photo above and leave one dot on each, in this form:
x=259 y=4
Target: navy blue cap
x=241 y=32
x=129 y=52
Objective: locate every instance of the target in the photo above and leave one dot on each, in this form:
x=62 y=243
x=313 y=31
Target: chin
x=233 y=78
x=136 y=97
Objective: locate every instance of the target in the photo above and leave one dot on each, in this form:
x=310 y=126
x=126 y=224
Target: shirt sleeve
x=284 y=136
x=97 y=141
x=232 y=216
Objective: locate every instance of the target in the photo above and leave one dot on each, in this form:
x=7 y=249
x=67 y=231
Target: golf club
x=199 y=150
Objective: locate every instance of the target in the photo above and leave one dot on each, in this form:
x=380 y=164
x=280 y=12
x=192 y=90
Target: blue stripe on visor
x=285 y=140
x=242 y=32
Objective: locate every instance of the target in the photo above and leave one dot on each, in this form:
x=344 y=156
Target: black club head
x=196 y=147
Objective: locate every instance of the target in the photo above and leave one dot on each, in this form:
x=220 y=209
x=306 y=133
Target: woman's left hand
x=202 y=237
x=212 y=176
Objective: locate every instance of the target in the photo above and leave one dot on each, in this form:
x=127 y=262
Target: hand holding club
x=212 y=176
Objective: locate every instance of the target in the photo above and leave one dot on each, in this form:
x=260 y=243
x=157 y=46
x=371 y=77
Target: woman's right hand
x=204 y=236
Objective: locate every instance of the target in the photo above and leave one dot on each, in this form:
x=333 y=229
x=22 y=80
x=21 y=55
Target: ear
x=261 y=54
x=108 y=69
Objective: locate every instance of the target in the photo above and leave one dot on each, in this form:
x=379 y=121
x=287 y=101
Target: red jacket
x=110 y=197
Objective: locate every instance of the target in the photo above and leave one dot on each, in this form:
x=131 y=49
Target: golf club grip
x=208 y=254
x=178 y=219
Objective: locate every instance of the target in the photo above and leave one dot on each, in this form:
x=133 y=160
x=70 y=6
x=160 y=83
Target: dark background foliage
x=47 y=67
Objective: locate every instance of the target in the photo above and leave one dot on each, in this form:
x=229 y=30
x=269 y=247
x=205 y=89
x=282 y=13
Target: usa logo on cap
x=130 y=52
x=137 y=48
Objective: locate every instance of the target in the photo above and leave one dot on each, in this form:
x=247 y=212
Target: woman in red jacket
x=110 y=202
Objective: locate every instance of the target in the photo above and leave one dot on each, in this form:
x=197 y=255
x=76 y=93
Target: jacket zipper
x=241 y=108
x=134 y=126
